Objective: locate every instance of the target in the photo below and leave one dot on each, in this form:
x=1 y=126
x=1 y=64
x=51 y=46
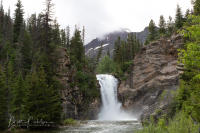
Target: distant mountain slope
x=108 y=41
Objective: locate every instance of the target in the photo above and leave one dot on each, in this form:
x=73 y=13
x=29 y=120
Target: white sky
x=102 y=16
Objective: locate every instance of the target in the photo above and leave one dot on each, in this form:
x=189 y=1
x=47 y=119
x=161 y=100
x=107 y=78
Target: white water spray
x=111 y=107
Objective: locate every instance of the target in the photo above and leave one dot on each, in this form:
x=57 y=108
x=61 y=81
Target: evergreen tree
x=170 y=26
x=162 y=26
x=152 y=31
x=18 y=21
x=108 y=52
x=99 y=53
x=77 y=52
x=63 y=38
x=42 y=100
x=68 y=37
x=83 y=35
x=187 y=13
x=116 y=53
x=56 y=36
x=196 y=5
x=3 y=102
x=27 y=54
x=179 y=18
x=18 y=96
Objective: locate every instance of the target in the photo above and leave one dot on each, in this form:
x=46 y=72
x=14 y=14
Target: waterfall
x=111 y=108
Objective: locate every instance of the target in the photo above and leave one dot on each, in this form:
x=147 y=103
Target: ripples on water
x=103 y=127
x=98 y=127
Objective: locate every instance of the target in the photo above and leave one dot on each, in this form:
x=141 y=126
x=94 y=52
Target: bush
x=70 y=121
x=182 y=123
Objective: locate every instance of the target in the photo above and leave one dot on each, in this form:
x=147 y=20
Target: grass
x=180 y=124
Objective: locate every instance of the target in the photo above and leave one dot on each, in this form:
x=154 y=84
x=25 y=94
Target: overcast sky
x=102 y=16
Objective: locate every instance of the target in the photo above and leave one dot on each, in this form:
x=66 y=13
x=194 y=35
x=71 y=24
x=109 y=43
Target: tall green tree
x=179 y=18
x=196 y=5
x=170 y=26
x=42 y=100
x=152 y=31
x=68 y=37
x=18 y=97
x=18 y=21
x=77 y=52
x=63 y=38
x=162 y=26
x=99 y=53
x=3 y=101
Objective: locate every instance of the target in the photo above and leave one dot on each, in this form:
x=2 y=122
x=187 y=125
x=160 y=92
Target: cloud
x=102 y=16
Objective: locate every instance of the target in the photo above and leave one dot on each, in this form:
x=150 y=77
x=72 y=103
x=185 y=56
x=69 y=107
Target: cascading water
x=111 y=107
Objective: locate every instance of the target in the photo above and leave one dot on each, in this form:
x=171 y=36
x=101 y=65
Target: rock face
x=154 y=77
x=72 y=102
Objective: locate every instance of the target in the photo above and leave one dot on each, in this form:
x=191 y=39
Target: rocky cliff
x=72 y=100
x=154 y=77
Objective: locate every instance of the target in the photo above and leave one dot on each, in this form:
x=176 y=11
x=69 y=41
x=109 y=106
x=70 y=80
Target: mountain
x=108 y=41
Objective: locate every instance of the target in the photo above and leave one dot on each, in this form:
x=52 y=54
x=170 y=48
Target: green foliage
x=18 y=93
x=70 y=121
x=162 y=26
x=179 y=18
x=124 y=53
x=152 y=31
x=188 y=96
x=196 y=4
x=100 y=53
x=42 y=100
x=3 y=101
x=86 y=82
x=170 y=27
x=181 y=123
x=106 y=65
x=18 y=23
x=77 y=53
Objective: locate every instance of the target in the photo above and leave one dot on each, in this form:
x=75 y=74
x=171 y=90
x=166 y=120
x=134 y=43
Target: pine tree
x=18 y=96
x=108 y=52
x=1 y=19
x=18 y=21
x=63 y=38
x=152 y=31
x=3 y=102
x=83 y=35
x=56 y=37
x=27 y=53
x=68 y=37
x=179 y=18
x=162 y=26
x=170 y=26
x=77 y=52
x=196 y=5
x=99 y=53
x=187 y=13
x=116 y=52
x=42 y=100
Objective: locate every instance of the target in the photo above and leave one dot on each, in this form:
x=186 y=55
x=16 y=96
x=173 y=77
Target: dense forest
x=29 y=88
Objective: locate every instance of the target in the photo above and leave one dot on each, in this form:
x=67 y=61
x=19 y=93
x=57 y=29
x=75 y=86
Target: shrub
x=70 y=121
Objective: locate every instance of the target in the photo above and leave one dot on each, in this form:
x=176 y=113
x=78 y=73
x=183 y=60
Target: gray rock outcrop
x=154 y=77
